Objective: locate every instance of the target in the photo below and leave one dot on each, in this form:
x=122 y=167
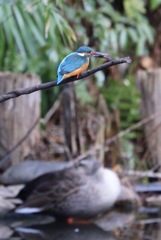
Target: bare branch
x=4 y=159
x=134 y=126
x=116 y=137
x=18 y=92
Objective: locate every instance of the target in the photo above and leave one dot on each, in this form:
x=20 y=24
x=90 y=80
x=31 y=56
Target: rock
x=7 y=198
x=10 y=191
x=5 y=232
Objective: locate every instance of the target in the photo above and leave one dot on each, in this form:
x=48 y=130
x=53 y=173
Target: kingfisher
x=75 y=63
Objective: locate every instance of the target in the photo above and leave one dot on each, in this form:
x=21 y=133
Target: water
x=143 y=225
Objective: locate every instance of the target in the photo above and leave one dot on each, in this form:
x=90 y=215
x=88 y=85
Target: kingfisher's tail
x=59 y=78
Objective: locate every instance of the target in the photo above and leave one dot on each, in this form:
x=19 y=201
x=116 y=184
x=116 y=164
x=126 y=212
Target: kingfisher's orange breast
x=77 y=71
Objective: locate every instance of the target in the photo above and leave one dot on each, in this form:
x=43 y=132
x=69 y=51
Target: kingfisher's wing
x=69 y=64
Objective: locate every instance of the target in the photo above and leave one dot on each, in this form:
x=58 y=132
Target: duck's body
x=81 y=191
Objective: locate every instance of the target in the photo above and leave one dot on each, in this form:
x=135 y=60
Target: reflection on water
x=64 y=232
x=113 y=226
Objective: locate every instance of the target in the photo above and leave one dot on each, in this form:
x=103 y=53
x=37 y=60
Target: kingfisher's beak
x=101 y=55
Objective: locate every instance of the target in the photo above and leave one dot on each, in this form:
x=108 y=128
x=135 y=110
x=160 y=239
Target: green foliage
x=134 y=10
x=154 y=4
x=36 y=35
x=111 y=28
x=32 y=34
x=82 y=93
x=28 y=31
x=124 y=96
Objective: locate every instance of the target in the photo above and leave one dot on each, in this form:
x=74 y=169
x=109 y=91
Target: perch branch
x=18 y=92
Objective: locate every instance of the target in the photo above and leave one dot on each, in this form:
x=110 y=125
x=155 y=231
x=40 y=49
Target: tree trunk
x=19 y=130
x=149 y=84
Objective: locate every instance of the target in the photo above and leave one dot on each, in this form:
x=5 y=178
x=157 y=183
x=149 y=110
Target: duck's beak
x=101 y=55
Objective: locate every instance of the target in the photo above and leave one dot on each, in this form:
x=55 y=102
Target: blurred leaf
x=47 y=22
x=113 y=39
x=100 y=78
x=82 y=93
x=123 y=38
x=133 y=34
x=123 y=97
x=133 y=8
x=154 y=4
x=148 y=32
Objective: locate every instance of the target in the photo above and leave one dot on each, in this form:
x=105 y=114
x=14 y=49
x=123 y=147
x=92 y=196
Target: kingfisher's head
x=85 y=51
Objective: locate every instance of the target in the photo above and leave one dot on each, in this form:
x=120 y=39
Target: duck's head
x=88 y=165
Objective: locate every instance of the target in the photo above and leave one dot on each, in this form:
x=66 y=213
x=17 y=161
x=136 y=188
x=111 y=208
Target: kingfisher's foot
x=78 y=75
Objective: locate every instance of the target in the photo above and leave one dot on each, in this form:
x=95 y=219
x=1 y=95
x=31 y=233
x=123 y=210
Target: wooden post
x=149 y=84
x=18 y=118
x=71 y=122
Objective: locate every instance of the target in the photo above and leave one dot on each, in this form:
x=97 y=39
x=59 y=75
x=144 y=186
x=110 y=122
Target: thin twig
x=92 y=151
x=134 y=126
x=146 y=120
x=18 y=92
x=52 y=110
x=3 y=160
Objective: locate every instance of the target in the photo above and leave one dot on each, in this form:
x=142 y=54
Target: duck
x=85 y=189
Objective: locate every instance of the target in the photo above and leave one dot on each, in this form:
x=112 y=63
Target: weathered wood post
x=18 y=118
x=149 y=84
x=71 y=122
